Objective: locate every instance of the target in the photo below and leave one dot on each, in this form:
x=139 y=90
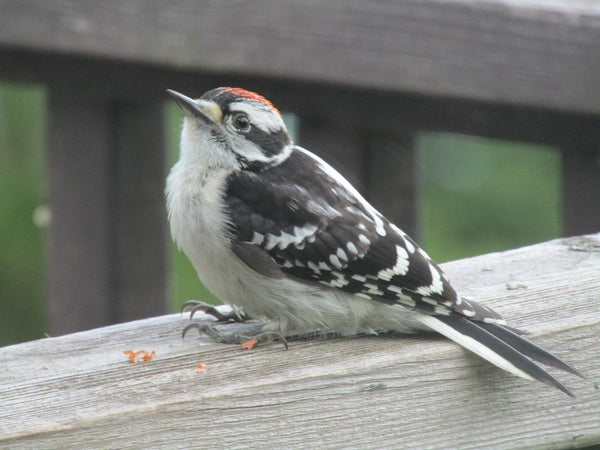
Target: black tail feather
x=527 y=347
x=504 y=349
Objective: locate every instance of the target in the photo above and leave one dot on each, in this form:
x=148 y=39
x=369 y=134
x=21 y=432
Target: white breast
x=197 y=219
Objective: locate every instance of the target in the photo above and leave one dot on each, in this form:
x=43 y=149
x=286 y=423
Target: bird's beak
x=202 y=109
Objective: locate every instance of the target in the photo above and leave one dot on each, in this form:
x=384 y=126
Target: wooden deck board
x=381 y=391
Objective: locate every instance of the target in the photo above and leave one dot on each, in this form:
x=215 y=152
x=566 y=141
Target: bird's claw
x=227 y=335
x=234 y=315
x=268 y=336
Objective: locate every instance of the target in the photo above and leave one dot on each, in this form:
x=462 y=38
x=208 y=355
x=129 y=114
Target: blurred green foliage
x=481 y=195
x=22 y=191
x=477 y=196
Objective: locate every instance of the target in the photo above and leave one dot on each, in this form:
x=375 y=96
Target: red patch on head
x=251 y=95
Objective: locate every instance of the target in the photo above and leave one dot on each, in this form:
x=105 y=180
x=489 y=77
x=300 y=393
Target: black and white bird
x=274 y=230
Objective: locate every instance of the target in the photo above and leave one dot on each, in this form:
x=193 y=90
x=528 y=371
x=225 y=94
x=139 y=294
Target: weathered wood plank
x=537 y=53
x=387 y=391
x=335 y=105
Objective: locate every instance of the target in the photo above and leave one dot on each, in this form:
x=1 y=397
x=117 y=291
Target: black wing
x=303 y=219
x=317 y=228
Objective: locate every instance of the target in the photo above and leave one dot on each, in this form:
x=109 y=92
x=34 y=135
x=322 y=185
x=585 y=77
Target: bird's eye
x=241 y=122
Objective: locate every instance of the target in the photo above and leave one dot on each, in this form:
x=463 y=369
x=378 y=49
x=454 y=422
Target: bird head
x=231 y=128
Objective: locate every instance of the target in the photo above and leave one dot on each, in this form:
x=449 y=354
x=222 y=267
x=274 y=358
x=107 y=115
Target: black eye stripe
x=270 y=143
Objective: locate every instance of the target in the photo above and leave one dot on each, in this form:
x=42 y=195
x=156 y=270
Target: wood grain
x=536 y=53
x=383 y=391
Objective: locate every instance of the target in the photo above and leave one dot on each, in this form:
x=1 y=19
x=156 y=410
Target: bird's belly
x=296 y=306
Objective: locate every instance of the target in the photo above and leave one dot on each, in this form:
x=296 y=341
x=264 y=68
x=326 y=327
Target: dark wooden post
x=393 y=180
x=139 y=220
x=581 y=178
x=106 y=239
x=79 y=235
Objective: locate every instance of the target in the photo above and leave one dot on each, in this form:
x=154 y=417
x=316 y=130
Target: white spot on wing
x=312 y=266
x=429 y=301
x=285 y=239
x=304 y=232
x=400 y=267
x=441 y=310
x=396 y=289
x=340 y=281
x=408 y=301
x=379 y=225
x=341 y=254
x=372 y=289
x=352 y=248
x=436 y=286
x=271 y=242
x=334 y=260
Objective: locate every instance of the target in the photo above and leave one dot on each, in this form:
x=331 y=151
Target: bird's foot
x=233 y=325
x=248 y=333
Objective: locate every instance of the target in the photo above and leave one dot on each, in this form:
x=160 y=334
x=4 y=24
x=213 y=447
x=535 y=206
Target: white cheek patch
x=265 y=119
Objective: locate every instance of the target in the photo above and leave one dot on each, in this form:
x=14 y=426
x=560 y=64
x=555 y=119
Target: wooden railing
x=80 y=390
x=364 y=78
